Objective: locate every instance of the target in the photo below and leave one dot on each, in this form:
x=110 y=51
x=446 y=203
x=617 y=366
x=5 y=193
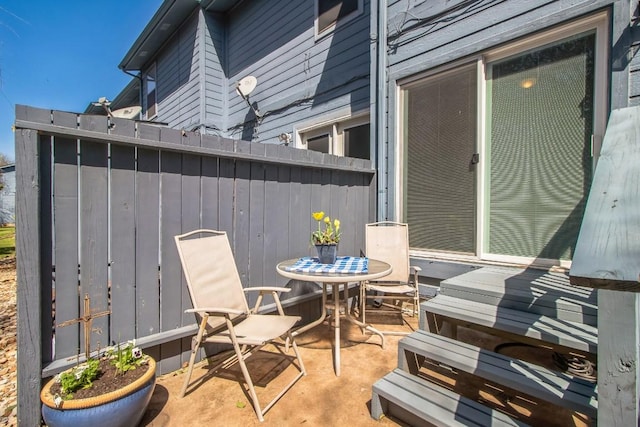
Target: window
x=151 y=104
x=499 y=153
x=441 y=179
x=349 y=137
x=321 y=143
x=329 y=12
x=356 y=141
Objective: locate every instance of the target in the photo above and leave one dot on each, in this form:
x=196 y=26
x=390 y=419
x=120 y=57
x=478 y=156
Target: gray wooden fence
x=98 y=202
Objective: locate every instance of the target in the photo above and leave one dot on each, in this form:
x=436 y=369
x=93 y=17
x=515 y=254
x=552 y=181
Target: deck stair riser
x=514 y=323
x=533 y=380
x=430 y=404
x=530 y=290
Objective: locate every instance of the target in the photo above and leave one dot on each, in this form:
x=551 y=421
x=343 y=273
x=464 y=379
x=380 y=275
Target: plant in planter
x=112 y=389
x=326 y=240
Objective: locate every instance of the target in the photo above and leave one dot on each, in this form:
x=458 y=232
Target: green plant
x=125 y=358
x=331 y=233
x=79 y=377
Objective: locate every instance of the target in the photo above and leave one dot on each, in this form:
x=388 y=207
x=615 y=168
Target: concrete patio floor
x=321 y=398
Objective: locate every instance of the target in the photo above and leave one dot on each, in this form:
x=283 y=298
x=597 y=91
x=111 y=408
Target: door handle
x=475 y=158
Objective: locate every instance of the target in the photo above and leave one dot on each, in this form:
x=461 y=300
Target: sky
x=64 y=54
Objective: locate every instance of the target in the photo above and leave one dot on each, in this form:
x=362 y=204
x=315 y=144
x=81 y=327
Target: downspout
x=379 y=99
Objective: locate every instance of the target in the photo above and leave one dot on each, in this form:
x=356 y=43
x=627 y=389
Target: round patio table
x=376 y=269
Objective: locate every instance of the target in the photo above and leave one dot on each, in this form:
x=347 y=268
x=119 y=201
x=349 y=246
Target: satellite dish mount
x=244 y=87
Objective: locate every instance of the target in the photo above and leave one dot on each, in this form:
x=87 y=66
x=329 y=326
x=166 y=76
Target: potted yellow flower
x=326 y=237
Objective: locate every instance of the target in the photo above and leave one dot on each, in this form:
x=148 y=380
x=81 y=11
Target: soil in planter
x=110 y=380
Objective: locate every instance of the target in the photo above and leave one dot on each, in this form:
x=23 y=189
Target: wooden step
x=416 y=401
x=527 y=289
x=515 y=324
x=538 y=382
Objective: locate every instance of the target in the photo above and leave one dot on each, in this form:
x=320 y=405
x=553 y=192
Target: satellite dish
x=246 y=85
x=128 y=112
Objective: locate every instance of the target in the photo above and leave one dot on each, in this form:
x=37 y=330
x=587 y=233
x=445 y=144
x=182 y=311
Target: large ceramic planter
x=120 y=408
x=327 y=253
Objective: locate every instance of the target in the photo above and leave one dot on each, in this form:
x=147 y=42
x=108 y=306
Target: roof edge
x=149 y=30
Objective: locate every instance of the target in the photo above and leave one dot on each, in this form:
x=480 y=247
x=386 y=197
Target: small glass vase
x=327 y=253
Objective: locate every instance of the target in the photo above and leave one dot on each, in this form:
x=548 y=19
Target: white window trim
x=598 y=22
x=332 y=126
x=331 y=28
x=146 y=92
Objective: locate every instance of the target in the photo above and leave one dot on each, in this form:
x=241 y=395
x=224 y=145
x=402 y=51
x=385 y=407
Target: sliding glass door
x=498 y=152
x=538 y=146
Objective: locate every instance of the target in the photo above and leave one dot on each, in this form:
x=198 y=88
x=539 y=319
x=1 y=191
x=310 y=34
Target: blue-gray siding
x=300 y=79
x=178 y=71
x=215 y=82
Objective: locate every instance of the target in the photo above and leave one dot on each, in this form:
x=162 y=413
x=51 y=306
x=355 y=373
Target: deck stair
x=529 y=306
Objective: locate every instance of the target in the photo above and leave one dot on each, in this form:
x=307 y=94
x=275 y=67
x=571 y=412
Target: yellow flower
x=329 y=234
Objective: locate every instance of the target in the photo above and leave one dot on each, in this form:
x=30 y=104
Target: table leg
x=320 y=319
x=353 y=320
x=336 y=327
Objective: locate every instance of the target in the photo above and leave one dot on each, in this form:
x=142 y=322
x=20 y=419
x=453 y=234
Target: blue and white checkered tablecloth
x=343 y=265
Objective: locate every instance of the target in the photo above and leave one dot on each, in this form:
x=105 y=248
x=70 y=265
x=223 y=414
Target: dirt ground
x=8 y=343
x=320 y=398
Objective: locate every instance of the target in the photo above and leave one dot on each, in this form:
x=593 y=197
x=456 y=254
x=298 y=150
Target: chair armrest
x=214 y=311
x=272 y=290
x=415 y=269
x=267 y=289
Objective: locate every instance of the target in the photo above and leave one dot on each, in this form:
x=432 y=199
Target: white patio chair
x=389 y=242
x=225 y=318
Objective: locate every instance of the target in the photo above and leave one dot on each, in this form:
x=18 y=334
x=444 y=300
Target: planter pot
x=120 y=408
x=327 y=253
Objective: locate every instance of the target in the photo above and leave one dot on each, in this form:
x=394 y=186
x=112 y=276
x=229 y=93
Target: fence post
x=28 y=276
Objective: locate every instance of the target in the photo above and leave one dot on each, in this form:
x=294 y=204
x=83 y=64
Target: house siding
x=302 y=80
x=215 y=95
x=634 y=79
x=178 y=77
x=299 y=78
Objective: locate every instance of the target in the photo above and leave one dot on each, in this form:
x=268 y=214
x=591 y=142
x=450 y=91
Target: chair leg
x=247 y=379
x=195 y=346
x=192 y=359
x=296 y=352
